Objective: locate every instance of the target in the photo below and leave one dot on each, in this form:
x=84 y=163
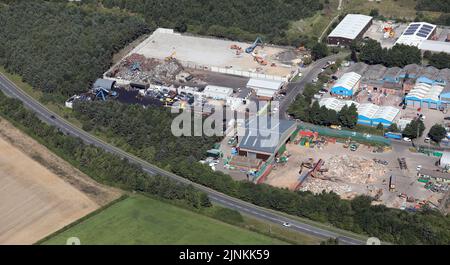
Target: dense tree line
x=400 y=55
x=86 y=39
x=414 y=129
x=439 y=60
x=235 y=19
x=146 y=131
x=433 y=5
x=102 y=166
x=307 y=110
x=61 y=48
x=437 y=133
x=428 y=227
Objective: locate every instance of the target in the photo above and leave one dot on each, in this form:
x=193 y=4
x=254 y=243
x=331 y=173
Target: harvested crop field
x=40 y=193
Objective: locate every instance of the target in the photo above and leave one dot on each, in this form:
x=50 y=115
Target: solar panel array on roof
x=416 y=33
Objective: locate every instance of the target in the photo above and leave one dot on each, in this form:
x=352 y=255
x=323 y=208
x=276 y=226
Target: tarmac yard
x=209 y=52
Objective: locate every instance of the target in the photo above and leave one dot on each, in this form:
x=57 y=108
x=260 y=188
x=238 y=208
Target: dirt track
x=39 y=192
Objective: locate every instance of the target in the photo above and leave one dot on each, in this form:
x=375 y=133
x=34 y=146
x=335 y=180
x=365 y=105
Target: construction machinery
x=260 y=60
x=311 y=172
x=102 y=93
x=237 y=48
x=171 y=57
x=258 y=42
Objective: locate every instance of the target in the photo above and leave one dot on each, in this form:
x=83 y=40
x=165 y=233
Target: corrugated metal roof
x=265 y=137
x=264 y=83
x=423 y=91
x=336 y=104
x=348 y=80
x=104 y=83
x=266 y=93
x=445 y=159
x=435 y=46
x=351 y=26
x=374 y=112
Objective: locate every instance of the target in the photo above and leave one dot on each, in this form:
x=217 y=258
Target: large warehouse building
x=336 y=104
x=351 y=28
x=347 y=85
x=435 y=46
x=263 y=141
x=372 y=115
x=265 y=89
x=368 y=114
x=425 y=96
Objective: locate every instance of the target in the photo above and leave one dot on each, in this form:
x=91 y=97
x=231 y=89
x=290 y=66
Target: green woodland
x=62 y=48
x=234 y=19
x=102 y=166
x=433 y=5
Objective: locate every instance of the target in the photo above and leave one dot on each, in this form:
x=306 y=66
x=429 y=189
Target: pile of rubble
x=354 y=170
x=138 y=68
x=317 y=186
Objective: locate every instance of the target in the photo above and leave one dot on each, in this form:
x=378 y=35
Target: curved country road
x=216 y=197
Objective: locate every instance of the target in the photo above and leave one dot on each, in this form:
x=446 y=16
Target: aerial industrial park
x=169 y=69
x=359 y=118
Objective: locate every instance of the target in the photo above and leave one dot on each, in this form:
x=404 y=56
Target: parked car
x=419 y=167
x=447 y=118
x=406 y=139
x=286 y=224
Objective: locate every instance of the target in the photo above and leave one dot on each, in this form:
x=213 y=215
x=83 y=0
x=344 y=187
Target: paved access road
x=219 y=198
x=309 y=74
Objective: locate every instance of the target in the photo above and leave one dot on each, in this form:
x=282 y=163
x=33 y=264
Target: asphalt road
x=309 y=73
x=216 y=197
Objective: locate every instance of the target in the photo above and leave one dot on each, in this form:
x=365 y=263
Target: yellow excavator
x=171 y=57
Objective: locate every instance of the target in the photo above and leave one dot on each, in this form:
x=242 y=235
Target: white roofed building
x=416 y=33
x=347 y=85
x=217 y=92
x=352 y=27
x=425 y=95
x=372 y=115
x=265 y=89
x=368 y=113
x=435 y=46
x=336 y=104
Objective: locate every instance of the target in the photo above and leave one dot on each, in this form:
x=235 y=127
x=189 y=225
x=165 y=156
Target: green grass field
x=142 y=220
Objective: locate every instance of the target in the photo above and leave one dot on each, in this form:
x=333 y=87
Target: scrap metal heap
x=138 y=68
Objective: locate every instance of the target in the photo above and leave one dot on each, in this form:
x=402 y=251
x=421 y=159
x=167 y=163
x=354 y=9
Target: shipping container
x=392 y=135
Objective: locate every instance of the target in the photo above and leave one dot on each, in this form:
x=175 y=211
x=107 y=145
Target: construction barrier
x=430 y=151
x=343 y=135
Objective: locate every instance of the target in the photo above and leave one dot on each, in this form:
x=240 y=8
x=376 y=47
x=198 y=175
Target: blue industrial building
x=347 y=85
